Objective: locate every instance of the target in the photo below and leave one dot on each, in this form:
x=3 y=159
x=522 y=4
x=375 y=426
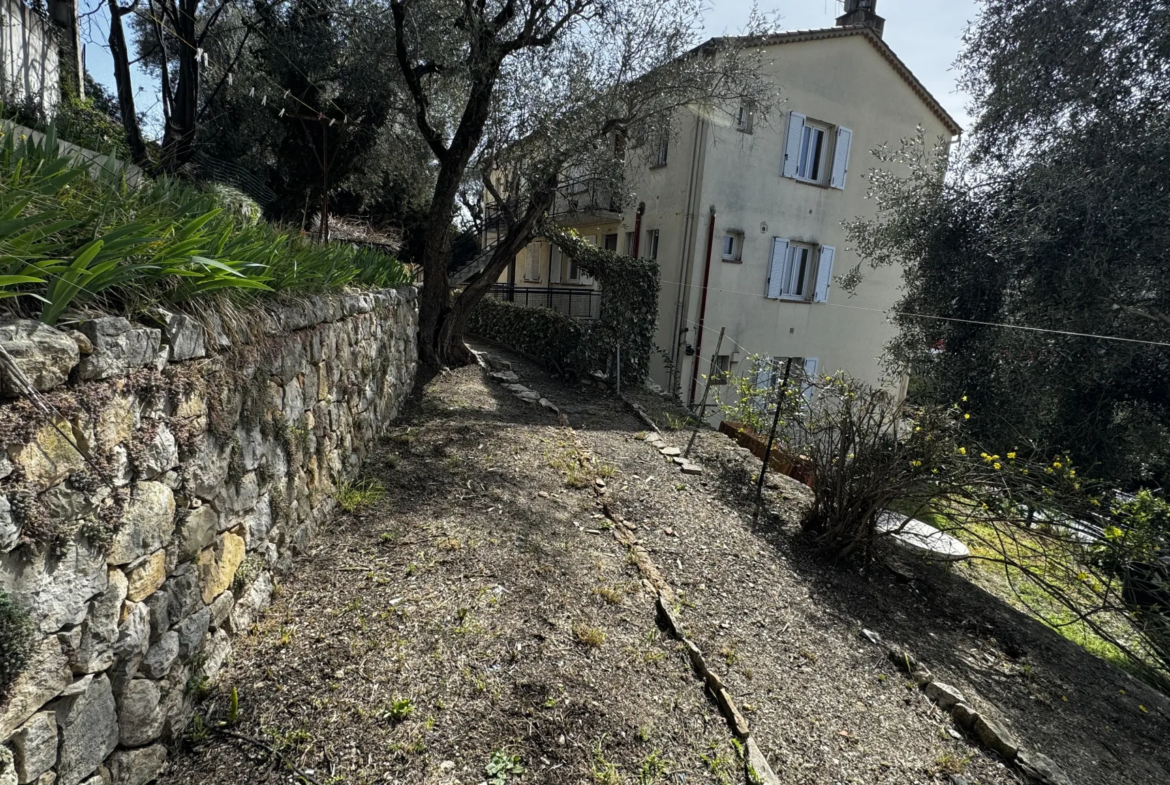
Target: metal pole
x=324 y=181
x=619 y=369
x=772 y=435
x=706 y=390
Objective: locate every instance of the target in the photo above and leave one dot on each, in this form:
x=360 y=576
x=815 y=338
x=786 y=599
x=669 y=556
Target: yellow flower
x=962 y=451
x=966 y=417
x=1072 y=472
x=996 y=465
x=1011 y=456
x=1143 y=708
x=1056 y=464
x=964 y=399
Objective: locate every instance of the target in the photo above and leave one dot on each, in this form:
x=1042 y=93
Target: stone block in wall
x=215 y=654
x=146 y=576
x=140 y=716
x=207 y=469
x=242 y=495
x=257 y=523
x=195 y=531
x=157 y=455
x=49 y=458
x=177 y=703
x=87 y=720
x=221 y=608
x=183 y=335
x=218 y=565
x=99 y=631
x=183 y=593
x=161 y=655
x=55 y=587
x=44 y=678
x=251 y=603
x=9 y=529
x=133 y=641
x=192 y=631
x=35 y=746
x=119 y=346
x=44 y=355
x=7 y=767
x=137 y=767
x=147 y=523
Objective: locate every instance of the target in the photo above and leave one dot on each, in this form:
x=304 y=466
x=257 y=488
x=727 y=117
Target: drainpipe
x=689 y=252
x=702 y=309
x=637 y=228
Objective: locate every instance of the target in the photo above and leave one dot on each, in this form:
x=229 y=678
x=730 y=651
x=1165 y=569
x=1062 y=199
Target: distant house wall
x=29 y=56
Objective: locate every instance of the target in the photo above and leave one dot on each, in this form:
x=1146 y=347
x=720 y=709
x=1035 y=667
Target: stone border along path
x=1036 y=767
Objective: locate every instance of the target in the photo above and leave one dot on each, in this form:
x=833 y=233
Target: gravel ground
x=481 y=609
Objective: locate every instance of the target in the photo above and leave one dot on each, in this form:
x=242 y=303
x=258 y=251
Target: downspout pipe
x=637 y=229
x=702 y=309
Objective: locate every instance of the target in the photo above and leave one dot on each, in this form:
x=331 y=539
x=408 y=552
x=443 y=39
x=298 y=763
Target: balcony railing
x=586 y=196
x=577 y=303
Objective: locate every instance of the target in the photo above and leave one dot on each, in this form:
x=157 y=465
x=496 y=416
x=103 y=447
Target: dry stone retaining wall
x=208 y=458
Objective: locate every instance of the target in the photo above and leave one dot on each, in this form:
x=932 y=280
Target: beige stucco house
x=744 y=214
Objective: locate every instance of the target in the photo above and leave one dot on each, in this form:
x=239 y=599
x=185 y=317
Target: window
x=799 y=271
x=811 y=164
x=743 y=119
x=733 y=247
x=611 y=242
x=722 y=369
x=532 y=263
x=651 y=244
x=661 y=147
x=629 y=243
x=816 y=152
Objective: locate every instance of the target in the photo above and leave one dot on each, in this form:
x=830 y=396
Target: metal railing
x=577 y=303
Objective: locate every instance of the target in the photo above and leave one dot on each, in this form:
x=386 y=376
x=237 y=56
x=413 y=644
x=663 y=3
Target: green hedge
x=551 y=338
x=17 y=639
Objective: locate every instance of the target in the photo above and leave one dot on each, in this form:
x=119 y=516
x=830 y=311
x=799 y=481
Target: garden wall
x=209 y=454
x=29 y=57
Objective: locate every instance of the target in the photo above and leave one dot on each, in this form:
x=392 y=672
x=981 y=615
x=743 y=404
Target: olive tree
x=519 y=94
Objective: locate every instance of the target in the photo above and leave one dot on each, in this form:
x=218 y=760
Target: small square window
x=733 y=247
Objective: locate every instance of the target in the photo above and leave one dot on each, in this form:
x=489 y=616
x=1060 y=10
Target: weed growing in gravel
x=353 y=497
x=592 y=637
x=721 y=766
x=610 y=594
x=398 y=710
x=604 y=772
x=948 y=763
x=729 y=655
x=501 y=766
x=653 y=768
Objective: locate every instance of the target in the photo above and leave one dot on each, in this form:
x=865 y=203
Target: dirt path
x=483 y=611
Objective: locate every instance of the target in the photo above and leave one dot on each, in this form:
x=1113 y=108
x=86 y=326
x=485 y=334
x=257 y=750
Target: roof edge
x=797 y=36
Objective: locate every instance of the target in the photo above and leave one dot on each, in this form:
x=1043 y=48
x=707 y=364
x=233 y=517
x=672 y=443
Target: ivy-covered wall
x=167 y=476
x=628 y=318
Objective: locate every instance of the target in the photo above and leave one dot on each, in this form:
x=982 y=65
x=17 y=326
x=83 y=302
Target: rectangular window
x=722 y=369
x=743 y=119
x=629 y=243
x=733 y=247
x=611 y=242
x=810 y=167
x=532 y=263
x=651 y=244
x=795 y=271
x=661 y=147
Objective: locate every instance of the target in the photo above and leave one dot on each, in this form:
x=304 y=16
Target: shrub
x=17 y=640
x=552 y=338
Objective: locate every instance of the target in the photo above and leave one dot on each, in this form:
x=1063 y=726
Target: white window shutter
x=792 y=146
x=824 y=274
x=776 y=267
x=555 y=264
x=841 y=158
x=810 y=372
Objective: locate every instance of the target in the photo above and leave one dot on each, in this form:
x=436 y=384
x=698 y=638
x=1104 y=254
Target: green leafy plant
x=501 y=766
x=398 y=710
x=355 y=496
x=17 y=640
x=233 y=715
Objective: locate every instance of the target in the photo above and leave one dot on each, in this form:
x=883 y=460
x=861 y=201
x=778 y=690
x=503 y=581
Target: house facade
x=744 y=214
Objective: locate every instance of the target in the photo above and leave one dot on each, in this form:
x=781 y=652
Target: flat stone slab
x=670 y=452
x=921 y=538
x=507 y=377
x=692 y=468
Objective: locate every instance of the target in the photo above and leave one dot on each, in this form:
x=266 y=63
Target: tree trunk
x=451 y=346
x=179 y=135
x=121 y=58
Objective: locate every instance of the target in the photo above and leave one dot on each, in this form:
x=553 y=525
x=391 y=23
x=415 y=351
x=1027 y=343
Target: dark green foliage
x=1055 y=221
x=17 y=640
x=91 y=123
x=551 y=338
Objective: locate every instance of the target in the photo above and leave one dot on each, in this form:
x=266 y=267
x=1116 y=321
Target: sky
x=926 y=34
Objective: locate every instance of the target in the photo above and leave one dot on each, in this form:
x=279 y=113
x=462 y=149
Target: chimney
x=862 y=12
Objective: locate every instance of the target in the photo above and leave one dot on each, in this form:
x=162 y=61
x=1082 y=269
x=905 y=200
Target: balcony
x=585 y=200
